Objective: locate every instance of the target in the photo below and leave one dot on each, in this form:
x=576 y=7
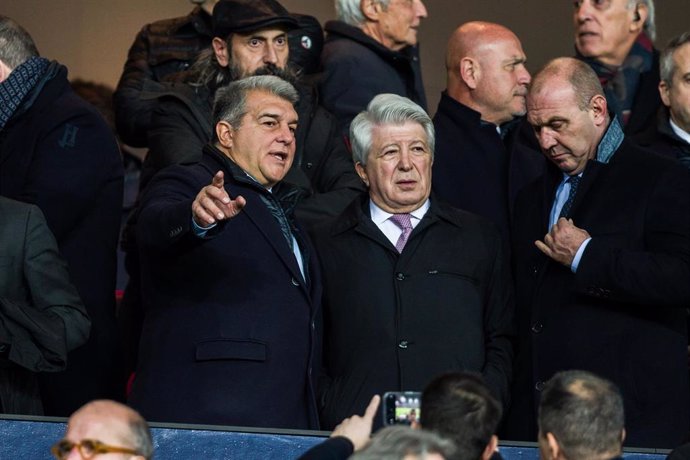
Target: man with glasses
x=105 y=427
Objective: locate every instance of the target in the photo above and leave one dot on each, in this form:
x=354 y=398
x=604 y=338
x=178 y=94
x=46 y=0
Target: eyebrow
x=276 y=116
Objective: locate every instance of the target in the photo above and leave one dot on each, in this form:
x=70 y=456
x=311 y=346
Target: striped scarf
x=20 y=83
x=620 y=83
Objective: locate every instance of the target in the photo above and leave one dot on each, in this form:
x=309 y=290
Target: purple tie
x=403 y=221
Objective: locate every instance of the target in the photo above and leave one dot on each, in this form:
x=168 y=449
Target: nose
x=74 y=454
x=420 y=9
x=270 y=54
x=524 y=78
x=286 y=136
x=546 y=139
x=583 y=10
x=405 y=162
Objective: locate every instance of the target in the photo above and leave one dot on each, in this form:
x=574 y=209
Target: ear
x=554 y=450
x=362 y=173
x=663 y=92
x=623 y=436
x=370 y=9
x=490 y=448
x=220 y=49
x=599 y=109
x=470 y=72
x=640 y=14
x=225 y=134
x=4 y=72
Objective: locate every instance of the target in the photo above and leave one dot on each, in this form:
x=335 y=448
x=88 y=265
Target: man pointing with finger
x=602 y=248
x=231 y=285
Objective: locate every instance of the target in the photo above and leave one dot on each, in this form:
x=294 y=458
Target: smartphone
x=401 y=407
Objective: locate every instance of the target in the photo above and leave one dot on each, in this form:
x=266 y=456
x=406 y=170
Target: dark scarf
x=20 y=83
x=620 y=83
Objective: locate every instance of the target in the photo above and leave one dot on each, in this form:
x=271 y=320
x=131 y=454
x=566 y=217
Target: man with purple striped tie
x=413 y=287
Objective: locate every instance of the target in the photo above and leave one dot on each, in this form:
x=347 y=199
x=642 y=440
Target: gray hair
x=230 y=103
x=16 y=45
x=649 y=24
x=141 y=436
x=386 y=109
x=584 y=413
x=666 y=63
x=396 y=442
x=349 y=11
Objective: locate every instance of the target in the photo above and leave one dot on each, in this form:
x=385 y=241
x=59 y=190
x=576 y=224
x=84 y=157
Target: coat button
x=539 y=385
x=403 y=344
x=295 y=282
x=535 y=270
x=4 y=348
x=313 y=326
x=537 y=327
x=399 y=276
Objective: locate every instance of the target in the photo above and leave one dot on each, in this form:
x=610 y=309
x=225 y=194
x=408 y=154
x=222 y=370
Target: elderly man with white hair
x=371 y=49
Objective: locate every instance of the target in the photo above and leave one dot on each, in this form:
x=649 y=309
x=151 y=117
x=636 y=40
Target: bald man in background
x=104 y=427
x=485 y=152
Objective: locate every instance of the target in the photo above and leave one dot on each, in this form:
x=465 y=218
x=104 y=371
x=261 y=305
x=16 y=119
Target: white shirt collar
x=379 y=216
x=679 y=131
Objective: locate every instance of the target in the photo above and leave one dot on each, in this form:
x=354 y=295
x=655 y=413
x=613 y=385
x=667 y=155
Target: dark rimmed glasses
x=88 y=448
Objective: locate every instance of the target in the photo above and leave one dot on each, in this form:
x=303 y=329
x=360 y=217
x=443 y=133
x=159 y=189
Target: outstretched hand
x=358 y=429
x=213 y=204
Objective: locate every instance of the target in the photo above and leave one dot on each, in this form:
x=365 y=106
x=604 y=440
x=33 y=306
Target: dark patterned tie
x=404 y=221
x=565 y=210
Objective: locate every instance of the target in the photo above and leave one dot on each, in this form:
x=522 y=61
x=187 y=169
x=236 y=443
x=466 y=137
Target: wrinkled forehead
x=407 y=131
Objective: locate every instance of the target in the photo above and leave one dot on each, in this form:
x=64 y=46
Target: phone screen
x=401 y=408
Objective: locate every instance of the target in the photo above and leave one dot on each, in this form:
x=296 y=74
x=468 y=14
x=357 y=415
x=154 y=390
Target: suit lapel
x=267 y=225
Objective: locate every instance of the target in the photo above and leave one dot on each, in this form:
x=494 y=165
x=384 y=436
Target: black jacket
x=231 y=332
x=392 y=322
x=357 y=68
x=57 y=152
x=41 y=314
x=477 y=170
x=661 y=139
x=622 y=315
x=160 y=50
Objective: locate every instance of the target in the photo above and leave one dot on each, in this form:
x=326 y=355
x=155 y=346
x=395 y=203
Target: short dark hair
x=584 y=413
x=459 y=406
x=16 y=45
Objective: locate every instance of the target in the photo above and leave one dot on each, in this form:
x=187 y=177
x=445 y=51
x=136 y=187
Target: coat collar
x=337 y=29
x=356 y=218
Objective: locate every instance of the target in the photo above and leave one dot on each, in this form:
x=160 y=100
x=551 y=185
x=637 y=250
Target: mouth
x=406 y=184
x=280 y=156
x=586 y=34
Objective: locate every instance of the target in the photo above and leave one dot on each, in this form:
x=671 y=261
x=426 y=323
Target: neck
x=372 y=30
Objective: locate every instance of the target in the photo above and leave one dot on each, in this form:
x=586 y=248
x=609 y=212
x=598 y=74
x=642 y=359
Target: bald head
x=113 y=424
x=575 y=72
x=486 y=71
x=568 y=111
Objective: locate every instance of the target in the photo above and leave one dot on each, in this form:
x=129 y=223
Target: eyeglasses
x=88 y=448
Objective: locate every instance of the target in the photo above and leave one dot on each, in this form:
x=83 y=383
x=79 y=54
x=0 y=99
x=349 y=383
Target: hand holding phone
x=401 y=407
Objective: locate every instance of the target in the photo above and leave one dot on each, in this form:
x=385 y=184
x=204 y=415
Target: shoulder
x=462 y=219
